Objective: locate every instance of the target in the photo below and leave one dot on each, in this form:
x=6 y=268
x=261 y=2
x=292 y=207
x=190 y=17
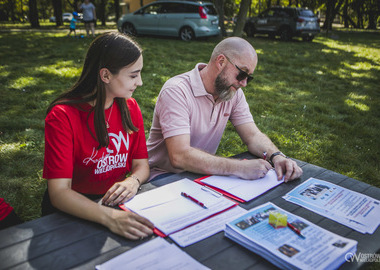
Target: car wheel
x=129 y=29
x=285 y=34
x=186 y=34
x=308 y=38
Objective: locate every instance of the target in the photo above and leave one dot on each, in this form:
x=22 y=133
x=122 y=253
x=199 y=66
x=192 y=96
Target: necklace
x=109 y=116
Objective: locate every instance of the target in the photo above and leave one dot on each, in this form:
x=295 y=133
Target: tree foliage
x=352 y=13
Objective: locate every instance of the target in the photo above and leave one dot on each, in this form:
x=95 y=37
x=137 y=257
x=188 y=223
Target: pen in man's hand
x=265 y=155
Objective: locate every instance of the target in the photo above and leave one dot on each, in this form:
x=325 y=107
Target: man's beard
x=223 y=90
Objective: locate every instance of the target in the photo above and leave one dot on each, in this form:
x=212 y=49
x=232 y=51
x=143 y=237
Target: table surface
x=60 y=241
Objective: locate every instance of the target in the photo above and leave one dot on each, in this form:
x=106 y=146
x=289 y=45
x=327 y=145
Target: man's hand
x=253 y=169
x=288 y=167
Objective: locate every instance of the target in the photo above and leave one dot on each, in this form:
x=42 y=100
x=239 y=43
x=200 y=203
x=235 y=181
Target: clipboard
x=164 y=206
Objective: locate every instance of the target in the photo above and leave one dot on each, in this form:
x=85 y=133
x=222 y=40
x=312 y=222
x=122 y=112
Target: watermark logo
x=362 y=257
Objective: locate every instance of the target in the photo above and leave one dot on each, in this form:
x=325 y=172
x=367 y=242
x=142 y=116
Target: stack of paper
x=240 y=189
x=180 y=205
x=350 y=208
x=155 y=254
x=319 y=249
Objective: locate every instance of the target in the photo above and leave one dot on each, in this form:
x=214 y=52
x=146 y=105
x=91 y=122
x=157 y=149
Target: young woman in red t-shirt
x=95 y=142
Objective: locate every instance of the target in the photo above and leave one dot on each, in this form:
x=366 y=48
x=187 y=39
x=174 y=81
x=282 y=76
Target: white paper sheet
x=206 y=228
x=320 y=249
x=170 y=212
x=244 y=189
x=350 y=208
x=155 y=254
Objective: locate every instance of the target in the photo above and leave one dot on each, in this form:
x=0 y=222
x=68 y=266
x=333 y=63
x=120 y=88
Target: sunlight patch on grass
x=7 y=148
x=3 y=71
x=23 y=82
x=357 y=105
x=65 y=69
x=48 y=92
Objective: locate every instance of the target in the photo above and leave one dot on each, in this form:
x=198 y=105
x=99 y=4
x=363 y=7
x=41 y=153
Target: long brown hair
x=113 y=51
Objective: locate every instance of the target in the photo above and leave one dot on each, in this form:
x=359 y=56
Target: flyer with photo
x=316 y=249
x=355 y=210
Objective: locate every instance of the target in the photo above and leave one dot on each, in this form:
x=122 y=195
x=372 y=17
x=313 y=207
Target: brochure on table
x=355 y=210
x=171 y=212
x=240 y=189
x=320 y=249
x=152 y=255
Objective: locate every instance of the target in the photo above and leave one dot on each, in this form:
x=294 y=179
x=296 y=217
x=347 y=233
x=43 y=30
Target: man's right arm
x=185 y=157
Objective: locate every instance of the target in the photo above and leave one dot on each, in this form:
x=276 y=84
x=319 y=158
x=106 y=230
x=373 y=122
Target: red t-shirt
x=5 y=209
x=71 y=151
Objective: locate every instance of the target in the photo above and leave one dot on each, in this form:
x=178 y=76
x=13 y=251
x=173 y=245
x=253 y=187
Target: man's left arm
x=258 y=143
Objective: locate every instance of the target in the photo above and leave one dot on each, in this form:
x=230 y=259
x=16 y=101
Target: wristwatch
x=276 y=154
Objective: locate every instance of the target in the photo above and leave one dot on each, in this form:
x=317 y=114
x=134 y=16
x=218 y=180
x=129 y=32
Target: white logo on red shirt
x=108 y=162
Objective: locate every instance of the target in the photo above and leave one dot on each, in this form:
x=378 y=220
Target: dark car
x=286 y=22
x=184 y=19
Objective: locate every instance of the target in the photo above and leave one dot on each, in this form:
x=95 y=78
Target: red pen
x=294 y=229
x=193 y=199
x=265 y=155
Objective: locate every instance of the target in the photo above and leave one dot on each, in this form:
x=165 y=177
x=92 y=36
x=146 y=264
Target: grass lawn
x=318 y=101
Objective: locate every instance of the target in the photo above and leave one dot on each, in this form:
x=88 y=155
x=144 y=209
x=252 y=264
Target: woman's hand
x=121 y=192
x=129 y=224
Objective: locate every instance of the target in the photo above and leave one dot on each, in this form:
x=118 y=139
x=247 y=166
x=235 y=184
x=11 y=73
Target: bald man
x=192 y=111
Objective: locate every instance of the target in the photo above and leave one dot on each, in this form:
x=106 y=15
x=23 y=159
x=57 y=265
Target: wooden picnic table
x=61 y=241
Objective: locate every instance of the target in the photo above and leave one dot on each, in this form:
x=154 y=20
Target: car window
x=282 y=13
x=306 y=13
x=179 y=8
x=152 y=9
x=210 y=9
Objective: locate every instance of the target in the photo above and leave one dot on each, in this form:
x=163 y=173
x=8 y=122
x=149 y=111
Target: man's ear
x=221 y=61
x=105 y=75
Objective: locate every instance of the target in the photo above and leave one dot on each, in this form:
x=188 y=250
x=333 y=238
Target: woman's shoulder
x=132 y=103
x=70 y=110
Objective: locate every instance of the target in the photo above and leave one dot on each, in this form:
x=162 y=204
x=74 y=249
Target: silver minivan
x=185 y=19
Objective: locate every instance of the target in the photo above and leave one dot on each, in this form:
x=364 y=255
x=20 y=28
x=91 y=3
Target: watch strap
x=276 y=154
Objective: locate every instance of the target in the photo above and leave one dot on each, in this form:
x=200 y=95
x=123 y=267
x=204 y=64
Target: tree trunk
x=102 y=12
x=219 y=4
x=57 y=6
x=117 y=10
x=33 y=14
x=242 y=16
x=345 y=14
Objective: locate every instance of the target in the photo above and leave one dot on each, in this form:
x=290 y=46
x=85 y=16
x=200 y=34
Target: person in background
x=95 y=145
x=73 y=24
x=192 y=111
x=89 y=16
x=8 y=217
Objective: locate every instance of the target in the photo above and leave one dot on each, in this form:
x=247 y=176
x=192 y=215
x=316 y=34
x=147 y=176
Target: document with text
x=178 y=205
x=316 y=249
x=355 y=210
x=242 y=189
x=152 y=255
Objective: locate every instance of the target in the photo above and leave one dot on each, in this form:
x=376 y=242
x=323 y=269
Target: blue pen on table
x=193 y=199
x=294 y=229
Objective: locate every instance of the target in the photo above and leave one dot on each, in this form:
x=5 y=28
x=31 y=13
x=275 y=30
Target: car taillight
x=300 y=20
x=202 y=12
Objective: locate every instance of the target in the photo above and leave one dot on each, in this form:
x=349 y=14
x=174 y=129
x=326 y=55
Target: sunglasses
x=242 y=74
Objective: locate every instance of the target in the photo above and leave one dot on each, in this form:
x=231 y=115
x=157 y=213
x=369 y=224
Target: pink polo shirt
x=184 y=107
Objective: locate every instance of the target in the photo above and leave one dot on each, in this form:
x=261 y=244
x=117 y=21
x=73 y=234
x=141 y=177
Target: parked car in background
x=285 y=22
x=66 y=17
x=184 y=19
